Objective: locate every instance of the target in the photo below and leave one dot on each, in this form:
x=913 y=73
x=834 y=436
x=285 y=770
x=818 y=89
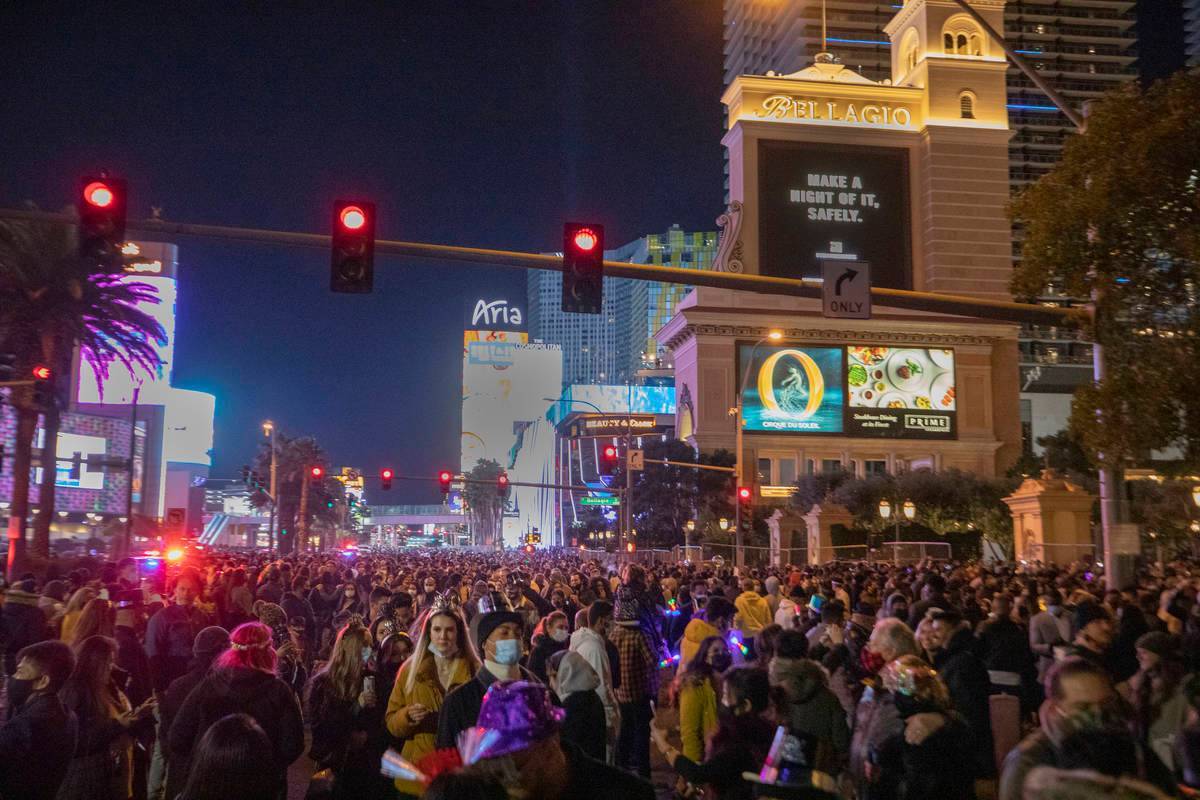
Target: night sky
x=484 y=124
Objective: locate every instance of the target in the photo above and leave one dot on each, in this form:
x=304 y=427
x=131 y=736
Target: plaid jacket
x=639 y=670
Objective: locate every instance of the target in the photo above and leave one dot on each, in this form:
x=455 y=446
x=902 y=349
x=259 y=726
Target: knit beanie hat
x=1088 y=612
x=1159 y=643
x=210 y=640
x=482 y=625
x=625 y=606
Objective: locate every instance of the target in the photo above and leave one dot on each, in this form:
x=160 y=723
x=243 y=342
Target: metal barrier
x=1052 y=553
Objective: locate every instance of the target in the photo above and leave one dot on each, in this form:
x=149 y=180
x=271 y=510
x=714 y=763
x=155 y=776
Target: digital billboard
x=904 y=392
x=830 y=202
x=792 y=389
x=886 y=392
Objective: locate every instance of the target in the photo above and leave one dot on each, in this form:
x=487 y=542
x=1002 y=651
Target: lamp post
x=687 y=537
x=909 y=509
x=723 y=524
x=269 y=431
x=739 y=554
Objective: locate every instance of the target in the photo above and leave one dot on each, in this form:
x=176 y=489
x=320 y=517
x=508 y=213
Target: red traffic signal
x=607 y=466
x=316 y=472
x=583 y=268
x=41 y=372
x=101 y=204
x=744 y=494
x=385 y=478
x=502 y=484
x=352 y=265
x=444 y=478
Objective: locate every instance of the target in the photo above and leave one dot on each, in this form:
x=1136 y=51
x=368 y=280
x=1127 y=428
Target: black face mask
x=722 y=662
x=900 y=612
x=725 y=712
x=19 y=691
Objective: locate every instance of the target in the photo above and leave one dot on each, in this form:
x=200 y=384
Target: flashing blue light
x=857 y=41
x=1123 y=280
x=152 y=563
x=1023 y=107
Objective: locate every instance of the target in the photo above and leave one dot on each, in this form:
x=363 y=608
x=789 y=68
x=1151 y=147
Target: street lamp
x=773 y=335
x=269 y=431
x=908 y=508
x=723 y=524
x=687 y=539
x=1196 y=494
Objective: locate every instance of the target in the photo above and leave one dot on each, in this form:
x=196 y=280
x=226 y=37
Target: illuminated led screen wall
x=885 y=392
x=829 y=202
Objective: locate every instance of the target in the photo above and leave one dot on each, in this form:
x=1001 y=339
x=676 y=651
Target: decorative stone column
x=1052 y=519
x=820 y=521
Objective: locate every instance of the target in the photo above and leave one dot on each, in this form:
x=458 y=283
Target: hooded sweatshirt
x=696 y=632
x=785 y=615
x=585 y=723
x=773 y=597
x=754 y=613
x=813 y=708
x=588 y=645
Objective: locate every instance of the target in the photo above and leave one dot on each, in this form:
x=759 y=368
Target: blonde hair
x=79 y=599
x=421 y=648
x=94 y=620
x=345 y=666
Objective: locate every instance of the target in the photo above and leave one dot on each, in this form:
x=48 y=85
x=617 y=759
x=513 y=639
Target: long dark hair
x=229 y=762
x=697 y=670
x=89 y=691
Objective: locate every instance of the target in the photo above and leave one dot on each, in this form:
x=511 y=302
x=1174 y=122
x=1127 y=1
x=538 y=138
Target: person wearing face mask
x=715 y=621
x=591 y=642
x=172 y=631
x=740 y=742
x=574 y=683
x=805 y=703
x=39 y=738
x=442 y=660
x=549 y=637
x=1081 y=706
x=497 y=634
x=429 y=593
x=349 y=603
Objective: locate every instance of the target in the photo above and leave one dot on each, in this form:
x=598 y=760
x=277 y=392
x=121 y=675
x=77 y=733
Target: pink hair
x=250 y=648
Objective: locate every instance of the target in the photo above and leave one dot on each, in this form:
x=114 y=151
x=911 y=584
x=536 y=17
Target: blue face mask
x=366 y=654
x=508 y=651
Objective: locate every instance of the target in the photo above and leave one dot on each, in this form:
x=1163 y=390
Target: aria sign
x=495 y=315
x=782 y=106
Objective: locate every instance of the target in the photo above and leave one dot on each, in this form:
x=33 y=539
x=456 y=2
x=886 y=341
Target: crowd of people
x=443 y=674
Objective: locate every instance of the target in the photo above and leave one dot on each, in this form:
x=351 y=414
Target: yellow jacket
x=697 y=631
x=419 y=739
x=697 y=717
x=754 y=613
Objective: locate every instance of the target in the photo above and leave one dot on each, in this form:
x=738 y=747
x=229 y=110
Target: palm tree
x=51 y=301
x=295 y=458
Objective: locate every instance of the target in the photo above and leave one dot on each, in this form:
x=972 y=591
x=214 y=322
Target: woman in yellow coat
x=442 y=660
x=696 y=689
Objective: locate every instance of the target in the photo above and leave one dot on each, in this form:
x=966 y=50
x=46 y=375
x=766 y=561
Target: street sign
x=599 y=501
x=637 y=460
x=846 y=292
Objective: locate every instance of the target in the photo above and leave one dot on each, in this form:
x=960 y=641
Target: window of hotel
x=764 y=471
x=873 y=467
x=831 y=465
x=948 y=42
x=787 y=471
x=966 y=105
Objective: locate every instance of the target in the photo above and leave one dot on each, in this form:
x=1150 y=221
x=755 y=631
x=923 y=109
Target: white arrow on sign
x=846 y=291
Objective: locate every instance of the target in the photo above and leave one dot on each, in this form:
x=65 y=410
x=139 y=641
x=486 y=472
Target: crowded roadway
x=450 y=674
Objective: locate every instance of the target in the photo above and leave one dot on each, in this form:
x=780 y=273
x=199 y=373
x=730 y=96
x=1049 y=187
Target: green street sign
x=599 y=501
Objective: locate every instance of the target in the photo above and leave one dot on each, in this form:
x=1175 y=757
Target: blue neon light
x=858 y=41
x=1023 y=107
x=1029 y=52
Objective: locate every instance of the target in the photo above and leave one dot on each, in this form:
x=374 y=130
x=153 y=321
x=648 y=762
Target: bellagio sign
x=783 y=106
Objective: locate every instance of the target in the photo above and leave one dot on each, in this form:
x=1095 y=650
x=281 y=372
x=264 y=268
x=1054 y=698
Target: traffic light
x=101 y=203
x=583 y=268
x=385 y=479
x=329 y=504
x=744 y=496
x=444 y=482
x=607 y=466
x=43 y=386
x=317 y=473
x=352 y=269
x=502 y=486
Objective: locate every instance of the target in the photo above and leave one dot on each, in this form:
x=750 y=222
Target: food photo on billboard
x=903 y=393
x=792 y=389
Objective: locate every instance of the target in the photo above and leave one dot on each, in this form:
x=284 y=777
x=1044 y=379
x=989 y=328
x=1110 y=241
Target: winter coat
x=585 y=723
x=588 y=644
x=967 y=679
x=939 y=767
x=785 y=615
x=22 y=623
x=428 y=691
x=168 y=707
x=239 y=690
x=697 y=716
x=590 y=779
x=539 y=654
x=875 y=721
x=169 y=637
x=460 y=708
x=295 y=606
x=1038 y=750
x=813 y=709
x=753 y=613
x=1046 y=631
x=349 y=739
x=36 y=746
x=132 y=658
x=739 y=745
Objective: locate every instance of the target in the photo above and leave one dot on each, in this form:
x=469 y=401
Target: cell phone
x=103 y=594
x=816 y=602
x=369 y=684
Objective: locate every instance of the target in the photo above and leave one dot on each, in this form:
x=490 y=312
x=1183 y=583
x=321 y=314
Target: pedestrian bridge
x=412 y=515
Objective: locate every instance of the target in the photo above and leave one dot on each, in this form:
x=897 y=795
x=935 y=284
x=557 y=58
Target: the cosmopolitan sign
x=784 y=106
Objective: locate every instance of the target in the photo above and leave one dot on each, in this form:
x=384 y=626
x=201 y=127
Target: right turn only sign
x=847 y=290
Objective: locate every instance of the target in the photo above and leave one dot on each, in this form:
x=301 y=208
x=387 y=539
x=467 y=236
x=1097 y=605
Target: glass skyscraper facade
x=612 y=346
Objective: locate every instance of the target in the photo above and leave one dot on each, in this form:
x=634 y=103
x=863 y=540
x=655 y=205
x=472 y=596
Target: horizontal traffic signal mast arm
x=762 y=284
x=492 y=483
x=668 y=462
